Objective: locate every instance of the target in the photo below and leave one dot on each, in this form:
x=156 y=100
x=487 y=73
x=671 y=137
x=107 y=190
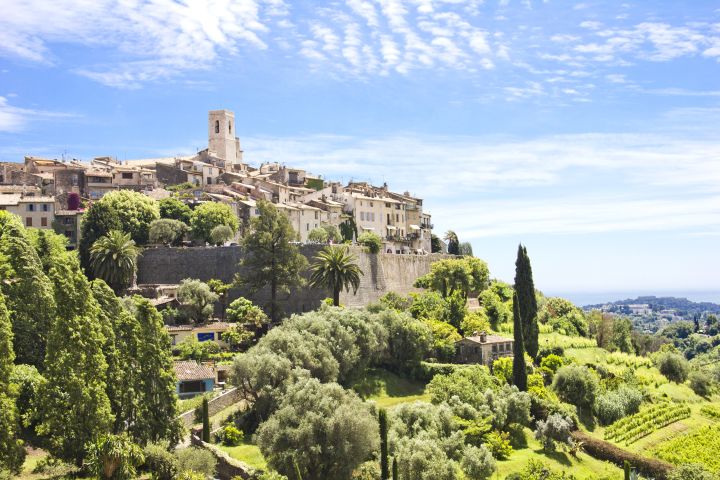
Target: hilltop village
x=41 y=190
x=197 y=318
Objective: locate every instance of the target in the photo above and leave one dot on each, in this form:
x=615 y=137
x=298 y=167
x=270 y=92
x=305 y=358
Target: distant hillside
x=683 y=306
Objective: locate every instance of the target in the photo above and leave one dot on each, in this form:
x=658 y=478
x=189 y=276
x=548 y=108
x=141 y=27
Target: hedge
x=603 y=450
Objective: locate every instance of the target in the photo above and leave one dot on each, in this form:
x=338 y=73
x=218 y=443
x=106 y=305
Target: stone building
x=36 y=212
x=482 y=348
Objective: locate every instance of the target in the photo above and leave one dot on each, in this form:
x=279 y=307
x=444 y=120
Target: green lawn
x=387 y=389
x=248 y=453
x=584 y=467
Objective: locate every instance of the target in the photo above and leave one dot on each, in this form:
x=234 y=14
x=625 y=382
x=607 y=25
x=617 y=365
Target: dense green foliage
x=114 y=457
x=113 y=258
x=197 y=300
x=519 y=371
x=173 y=209
x=371 y=241
x=135 y=212
x=99 y=220
x=577 y=385
x=270 y=259
x=527 y=302
x=465 y=275
x=209 y=215
x=167 y=231
x=673 y=366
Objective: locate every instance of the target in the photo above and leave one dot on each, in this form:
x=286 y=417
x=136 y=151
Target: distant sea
x=593 y=298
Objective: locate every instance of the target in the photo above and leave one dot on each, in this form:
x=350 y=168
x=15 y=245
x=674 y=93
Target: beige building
x=202 y=333
x=482 y=348
x=35 y=212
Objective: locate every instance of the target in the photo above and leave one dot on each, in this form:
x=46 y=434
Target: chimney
x=483 y=337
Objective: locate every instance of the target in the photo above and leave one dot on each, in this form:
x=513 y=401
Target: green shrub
x=231 y=436
x=552 y=362
x=196 y=460
x=477 y=463
x=691 y=471
x=499 y=444
x=673 y=366
x=701 y=383
x=576 y=385
x=160 y=462
x=371 y=241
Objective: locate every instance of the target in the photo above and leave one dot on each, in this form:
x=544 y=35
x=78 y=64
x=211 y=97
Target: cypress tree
x=395 y=469
x=205 y=421
x=12 y=453
x=519 y=369
x=156 y=386
x=29 y=293
x=525 y=290
x=384 y=466
x=627 y=470
x=74 y=405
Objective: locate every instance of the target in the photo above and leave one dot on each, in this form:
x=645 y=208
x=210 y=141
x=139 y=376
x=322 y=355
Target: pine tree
x=525 y=290
x=384 y=466
x=205 y=421
x=12 y=453
x=270 y=260
x=156 y=385
x=74 y=406
x=28 y=293
x=519 y=368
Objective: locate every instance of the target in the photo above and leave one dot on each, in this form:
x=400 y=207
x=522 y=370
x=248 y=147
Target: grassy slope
x=248 y=453
x=387 y=389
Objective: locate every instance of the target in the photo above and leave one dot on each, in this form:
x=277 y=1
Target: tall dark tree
x=384 y=465
x=28 y=292
x=74 y=405
x=99 y=220
x=525 y=290
x=158 y=408
x=453 y=244
x=395 y=469
x=205 y=421
x=12 y=454
x=519 y=368
x=270 y=259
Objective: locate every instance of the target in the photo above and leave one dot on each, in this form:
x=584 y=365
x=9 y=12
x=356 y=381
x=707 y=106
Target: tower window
x=217 y=126
x=229 y=127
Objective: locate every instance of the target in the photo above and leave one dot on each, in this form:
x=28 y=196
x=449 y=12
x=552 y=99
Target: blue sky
x=586 y=130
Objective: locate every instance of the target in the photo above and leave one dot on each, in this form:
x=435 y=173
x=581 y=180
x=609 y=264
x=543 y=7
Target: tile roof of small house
x=488 y=339
x=190 y=370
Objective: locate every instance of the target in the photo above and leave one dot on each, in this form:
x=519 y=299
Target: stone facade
x=382 y=273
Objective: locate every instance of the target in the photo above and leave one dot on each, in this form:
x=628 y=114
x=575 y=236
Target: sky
x=589 y=131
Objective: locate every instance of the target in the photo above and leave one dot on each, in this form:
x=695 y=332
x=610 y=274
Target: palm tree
x=114 y=259
x=336 y=268
x=453 y=243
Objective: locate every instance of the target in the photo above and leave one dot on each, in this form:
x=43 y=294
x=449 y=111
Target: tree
x=173 y=209
x=435 y=246
x=221 y=234
x=577 y=385
x=12 y=453
x=337 y=269
x=527 y=302
x=348 y=230
x=701 y=383
x=319 y=235
x=555 y=429
x=333 y=233
x=210 y=215
x=156 y=385
x=114 y=457
x=270 y=259
x=135 y=212
x=371 y=241
x=221 y=289
x=99 y=220
x=384 y=466
x=28 y=292
x=167 y=231
x=197 y=299
x=452 y=242
x=466 y=249
x=519 y=367
x=242 y=310
x=331 y=427
x=114 y=259
x=205 y=421
x=477 y=463
x=622 y=335
x=673 y=366
x=74 y=405
x=464 y=275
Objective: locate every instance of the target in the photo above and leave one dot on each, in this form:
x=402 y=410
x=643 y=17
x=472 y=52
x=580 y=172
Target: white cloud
x=15 y=119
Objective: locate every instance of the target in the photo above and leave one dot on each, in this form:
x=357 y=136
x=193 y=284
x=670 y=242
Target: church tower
x=222 y=141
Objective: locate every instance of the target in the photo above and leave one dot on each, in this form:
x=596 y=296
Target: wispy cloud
x=15 y=119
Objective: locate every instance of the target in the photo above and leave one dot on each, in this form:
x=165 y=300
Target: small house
x=203 y=333
x=193 y=378
x=482 y=348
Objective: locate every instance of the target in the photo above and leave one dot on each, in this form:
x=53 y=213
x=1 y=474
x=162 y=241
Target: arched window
x=229 y=127
x=217 y=126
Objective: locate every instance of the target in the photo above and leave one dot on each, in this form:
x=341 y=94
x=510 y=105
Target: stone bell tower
x=222 y=141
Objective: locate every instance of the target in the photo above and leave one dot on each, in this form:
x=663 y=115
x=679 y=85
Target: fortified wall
x=382 y=273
